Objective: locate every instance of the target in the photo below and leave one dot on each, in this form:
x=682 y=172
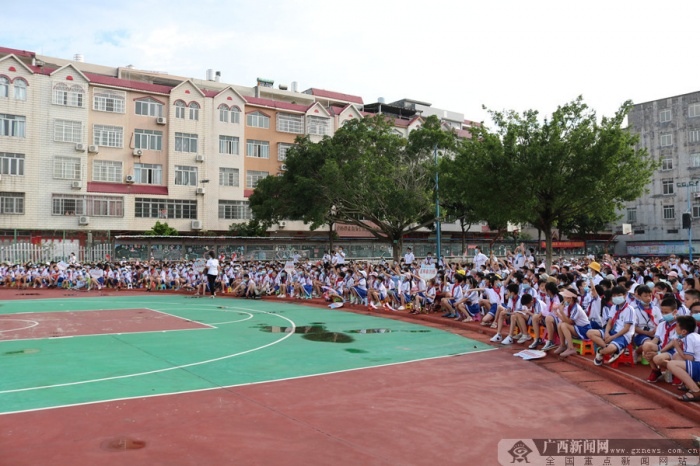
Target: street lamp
x=690 y=216
x=437 y=206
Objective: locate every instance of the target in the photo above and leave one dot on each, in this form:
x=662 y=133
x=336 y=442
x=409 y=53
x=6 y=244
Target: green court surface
x=248 y=342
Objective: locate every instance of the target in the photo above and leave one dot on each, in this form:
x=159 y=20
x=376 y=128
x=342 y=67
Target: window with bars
x=669 y=212
x=20 y=89
x=108 y=136
x=694 y=110
x=253 y=177
x=194 y=111
x=667 y=186
x=104 y=100
x=66 y=168
x=234 y=210
x=185 y=176
x=282 y=149
x=148 y=173
x=665 y=115
x=229 y=177
x=632 y=215
x=180 y=109
x=259 y=149
x=11 y=203
x=317 y=125
x=107 y=170
x=696 y=210
x=149 y=107
x=67 y=131
x=228 y=145
x=223 y=113
x=666 y=140
x=94 y=206
x=235 y=115
x=288 y=123
x=694 y=135
x=186 y=142
x=4 y=87
x=12 y=125
x=11 y=164
x=695 y=160
x=667 y=163
x=148 y=139
x=258 y=120
x=68 y=95
x=165 y=208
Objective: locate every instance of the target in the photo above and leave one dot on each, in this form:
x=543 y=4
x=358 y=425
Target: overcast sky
x=457 y=55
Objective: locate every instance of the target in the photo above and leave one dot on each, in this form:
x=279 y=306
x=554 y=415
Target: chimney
x=217 y=76
x=79 y=57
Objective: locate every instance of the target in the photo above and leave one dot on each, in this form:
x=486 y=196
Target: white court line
x=19 y=320
x=82 y=382
x=249 y=383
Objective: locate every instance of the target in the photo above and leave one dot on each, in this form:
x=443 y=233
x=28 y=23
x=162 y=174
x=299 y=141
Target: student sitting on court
x=647 y=317
x=454 y=295
x=492 y=301
x=660 y=349
x=618 y=331
x=573 y=323
x=687 y=367
x=510 y=305
x=548 y=315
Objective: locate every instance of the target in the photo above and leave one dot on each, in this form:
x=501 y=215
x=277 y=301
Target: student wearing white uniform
x=659 y=350
x=573 y=324
x=618 y=331
x=687 y=367
x=408 y=258
x=212 y=267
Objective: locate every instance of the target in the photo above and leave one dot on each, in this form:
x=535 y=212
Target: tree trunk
x=461 y=225
x=548 y=240
x=397 y=247
x=330 y=236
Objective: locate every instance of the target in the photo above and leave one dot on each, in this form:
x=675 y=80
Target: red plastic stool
x=531 y=331
x=626 y=358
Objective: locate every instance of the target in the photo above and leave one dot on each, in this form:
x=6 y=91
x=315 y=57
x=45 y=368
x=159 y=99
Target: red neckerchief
x=515 y=300
x=617 y=314
x=668 y=333
x=648 y=313
x=568 y=311
x=678 y=297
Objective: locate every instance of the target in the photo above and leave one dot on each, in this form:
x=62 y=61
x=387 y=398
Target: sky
x=458 y=55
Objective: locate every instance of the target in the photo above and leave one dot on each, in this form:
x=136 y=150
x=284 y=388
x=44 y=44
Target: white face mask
x=618 y=300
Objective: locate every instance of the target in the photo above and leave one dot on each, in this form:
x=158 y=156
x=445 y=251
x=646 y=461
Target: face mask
x=586 y=289
x=679 y=287
x=696 y=317
x=618 y=300
x=668 y=317
x=650 y=285
x=526 y=286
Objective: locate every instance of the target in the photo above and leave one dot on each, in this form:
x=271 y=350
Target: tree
x=365 y=175
x=556 y=172
x=250 y=228
x=161 y=229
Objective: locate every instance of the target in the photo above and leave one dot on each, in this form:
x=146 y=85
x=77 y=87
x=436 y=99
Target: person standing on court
x=408 y=258
x=213 y=269
x=480 y=259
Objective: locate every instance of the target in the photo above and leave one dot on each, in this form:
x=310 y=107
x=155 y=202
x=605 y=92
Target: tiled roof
x=125 y=83
x=119 y=188
x=17 y=52
x=277 y=104
x=334 y=95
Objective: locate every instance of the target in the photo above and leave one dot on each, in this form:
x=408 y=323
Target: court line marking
x=167 y=369
x=19 y=320
x=112 y=400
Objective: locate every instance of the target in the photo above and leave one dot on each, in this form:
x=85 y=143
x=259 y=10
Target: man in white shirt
x=408 y=258
x=479 y=258
x=339 y=257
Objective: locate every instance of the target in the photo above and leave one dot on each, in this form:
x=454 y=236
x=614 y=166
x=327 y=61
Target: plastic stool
x=583 y=347
x=531 y=331
x=626 y=358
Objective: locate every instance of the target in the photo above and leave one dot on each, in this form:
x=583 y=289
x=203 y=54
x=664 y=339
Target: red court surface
x=31 y=325
x=450 y=411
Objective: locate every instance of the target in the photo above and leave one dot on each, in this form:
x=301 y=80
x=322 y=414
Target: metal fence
x=23 y=253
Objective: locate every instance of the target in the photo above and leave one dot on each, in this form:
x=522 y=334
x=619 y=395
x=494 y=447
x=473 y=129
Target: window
x=287 y=123
x=11 y=164
x=666 y=140
x=317 y=125
x=107 y=170
x=194 y=111
x=228 y=177
x=12 y=203
x=148 y=139
x=260 y=149
x=4 y=87
x=165 y=208
x=65 y=204
x=667 y=185
x=235 y=210
x=12 y=125
x=66 y=168
x=180 y=109
x=667 y=163
x=149 y=107
x=258 y=120
x=632 y=215
x=694 y=110
x=665 y=115
x=104 y=100
x=695 y=160
x=70 y=96
x=95 y=206
x=253 y=177
x=67 y=131
x=148 y=173
x=696 y=210
x=20 y=89
x=186 y=142
x=235 y=115
x=108 y=136
x=669 y=212
x=694 y=135
x=282 y=149
x=223 y=113
x=185 y=176
x=228 y=145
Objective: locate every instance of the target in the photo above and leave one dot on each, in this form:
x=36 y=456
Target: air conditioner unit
x=80 y=147
x=138 y=152
x=200 y=191
x=196 y=224
x=199 y=158
x=161 y=120
x=130 y=179
x=282 y=224
x=76 y=185
x=93 y=149
x=283 y=167
x=84 y=220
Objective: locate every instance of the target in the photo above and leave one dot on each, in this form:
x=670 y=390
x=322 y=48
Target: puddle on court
x=122 y=444
x=22 y=351
x=311 y=333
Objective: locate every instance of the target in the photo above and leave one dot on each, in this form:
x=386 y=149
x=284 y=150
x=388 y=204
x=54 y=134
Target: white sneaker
x=401 y=308
x=496 y=338
x=372 y=306
x=524 y=338
x=508 y=340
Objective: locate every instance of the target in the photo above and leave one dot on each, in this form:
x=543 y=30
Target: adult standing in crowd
x=213 y=268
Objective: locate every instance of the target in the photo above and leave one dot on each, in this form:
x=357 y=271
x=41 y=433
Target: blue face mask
x=668 y=317
x=618 y=300
x=696 y=317
x=586 y=289
x=650 y=285
x=526 y=286
x=679 y=287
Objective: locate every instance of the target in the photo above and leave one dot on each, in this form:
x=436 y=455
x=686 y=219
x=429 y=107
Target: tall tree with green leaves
x=556 y=172
x=161 y=229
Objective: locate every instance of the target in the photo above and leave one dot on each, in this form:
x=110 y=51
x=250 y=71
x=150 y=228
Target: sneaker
x=560 y=350
x=548 y=346
x=676 y=381
x=388 y=307
x=655 y=376
x=372 y=306
x=524 y=339
x=507 y=341
x=496 y=338
x=535 y=344
x=598 y=360
x=401 y=308
x=615 y=357
x=567 y=353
